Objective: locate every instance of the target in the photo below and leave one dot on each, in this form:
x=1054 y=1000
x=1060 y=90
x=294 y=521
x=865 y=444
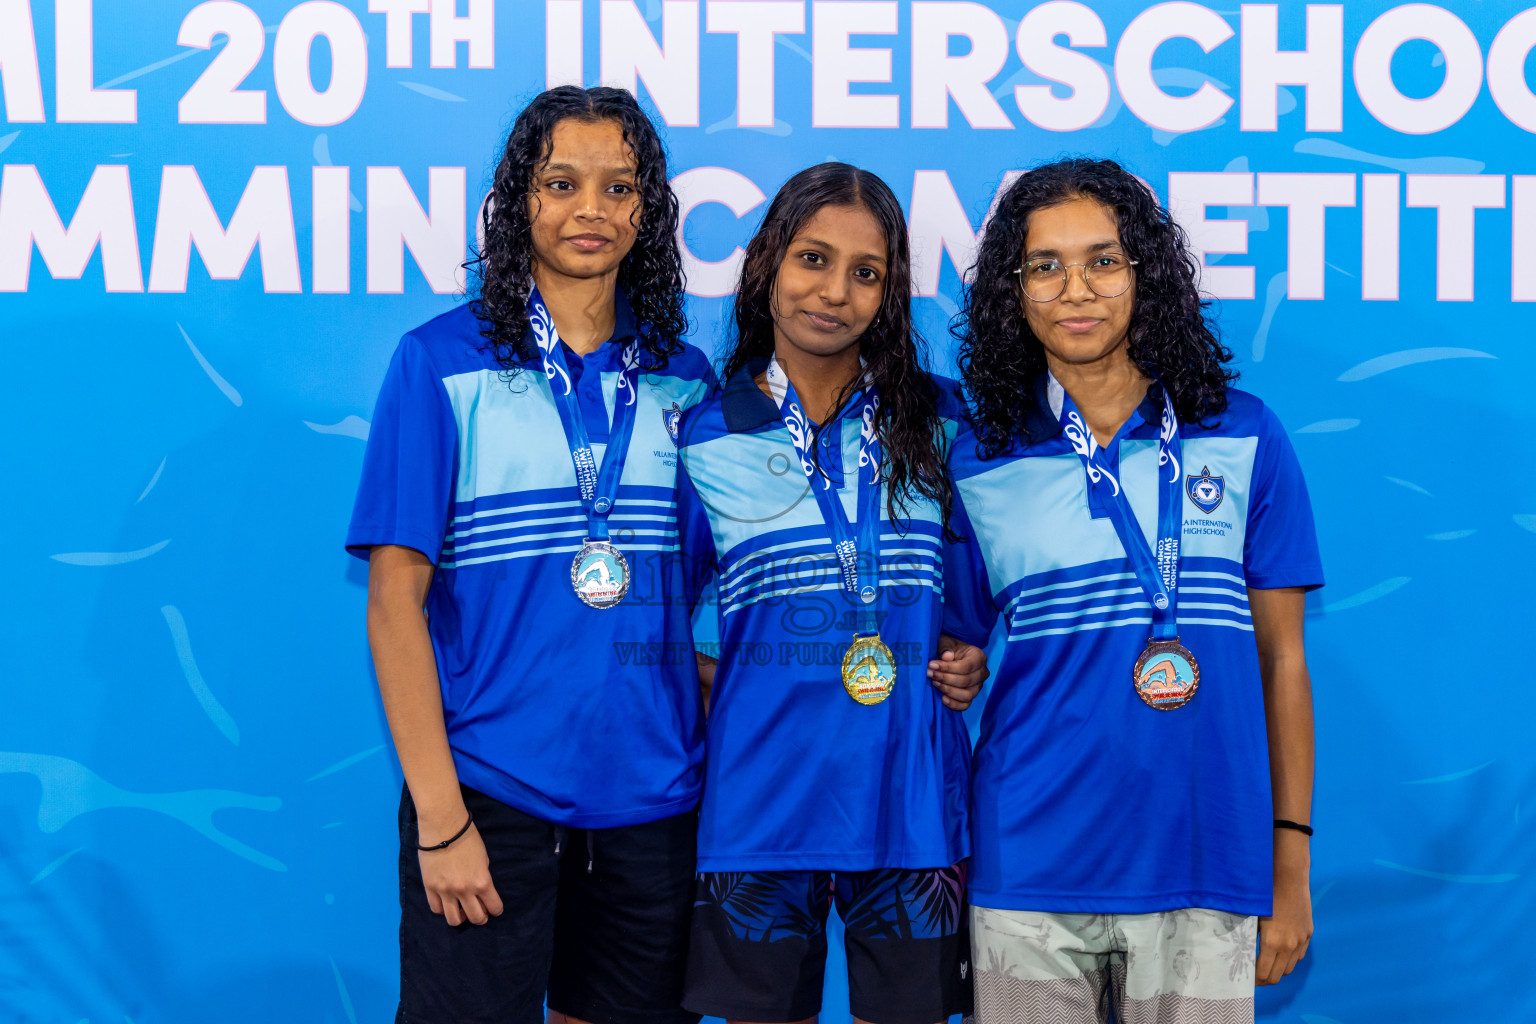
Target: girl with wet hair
x=815 y=493
x=1143 y=778
x=650 y=274
x=531 y=515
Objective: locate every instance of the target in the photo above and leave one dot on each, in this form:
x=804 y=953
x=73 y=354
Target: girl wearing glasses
x=1143 y=777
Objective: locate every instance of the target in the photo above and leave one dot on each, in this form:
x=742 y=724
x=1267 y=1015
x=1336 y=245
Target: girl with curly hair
x=1144 y=771
x=815 y=489
x=548 y=820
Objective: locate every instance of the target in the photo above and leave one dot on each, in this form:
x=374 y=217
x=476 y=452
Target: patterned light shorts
x=1176 y=967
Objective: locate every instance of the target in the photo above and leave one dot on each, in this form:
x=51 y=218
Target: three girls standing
x=549 y=520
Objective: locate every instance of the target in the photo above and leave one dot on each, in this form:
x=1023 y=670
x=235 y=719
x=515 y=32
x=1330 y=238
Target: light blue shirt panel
x=750 y=496
x=1138 y=475
x=1232 y=459
x=1045 y=500
x=1047 y=497
x=506 y=434
x=735 y=475
x=509 y=434
x=652 y=454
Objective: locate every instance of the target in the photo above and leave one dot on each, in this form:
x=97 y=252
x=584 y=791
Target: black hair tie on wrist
x=1294 y=826
x=448 y=842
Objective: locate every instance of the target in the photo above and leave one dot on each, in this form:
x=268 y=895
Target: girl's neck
x=583 y=308
x=1106 y=391
x=818 y=380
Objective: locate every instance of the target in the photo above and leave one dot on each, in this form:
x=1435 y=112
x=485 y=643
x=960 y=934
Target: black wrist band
x=448 y=842
x=1294 y=826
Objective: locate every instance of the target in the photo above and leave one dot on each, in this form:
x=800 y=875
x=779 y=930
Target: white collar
x=1055 y=394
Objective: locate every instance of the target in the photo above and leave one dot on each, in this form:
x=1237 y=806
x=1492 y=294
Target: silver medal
x=600 y=574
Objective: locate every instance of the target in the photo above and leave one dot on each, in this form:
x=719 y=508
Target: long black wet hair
x=1171 y=336
x=908 y=424
x=651 y=275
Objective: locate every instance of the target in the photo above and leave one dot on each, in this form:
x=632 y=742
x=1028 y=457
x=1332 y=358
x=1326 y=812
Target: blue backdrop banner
x=216 y=219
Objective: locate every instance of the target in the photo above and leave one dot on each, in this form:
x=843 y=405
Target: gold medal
x=869 y=670
x=1166 y=675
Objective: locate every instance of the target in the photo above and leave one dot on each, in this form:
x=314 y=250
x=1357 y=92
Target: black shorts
x=759 y=944
x=595 y=918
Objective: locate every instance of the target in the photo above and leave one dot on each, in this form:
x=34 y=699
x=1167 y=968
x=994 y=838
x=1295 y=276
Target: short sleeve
x=969 y=610
x=410 y=467
x=1281 y=545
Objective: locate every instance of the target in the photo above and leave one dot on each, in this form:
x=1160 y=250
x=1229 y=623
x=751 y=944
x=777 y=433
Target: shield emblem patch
x=672 y=418
x=1205 y=490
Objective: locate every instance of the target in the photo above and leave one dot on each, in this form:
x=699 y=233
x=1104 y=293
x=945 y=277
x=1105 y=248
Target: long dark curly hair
x=1171 y=337
x=911 y=434
x=651 y=275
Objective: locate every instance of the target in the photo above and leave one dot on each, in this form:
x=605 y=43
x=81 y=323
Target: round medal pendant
x=1166 y=675
x=600 y=574
x=869 y=670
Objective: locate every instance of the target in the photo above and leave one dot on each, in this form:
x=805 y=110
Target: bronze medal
x=1166 y=675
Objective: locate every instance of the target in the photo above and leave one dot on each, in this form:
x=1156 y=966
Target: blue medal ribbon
x=599 y=486
x=854 y=543
x=1158 y=572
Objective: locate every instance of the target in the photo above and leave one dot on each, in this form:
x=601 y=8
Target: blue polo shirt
x=1086 y=800
x=800 y=776
x=558 y=709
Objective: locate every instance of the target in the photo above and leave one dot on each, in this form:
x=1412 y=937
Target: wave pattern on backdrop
x=217 y=219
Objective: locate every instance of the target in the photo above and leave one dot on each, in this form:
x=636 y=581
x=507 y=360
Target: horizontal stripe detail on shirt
x=800 y=562
x=1095 y=599
x=522 y=524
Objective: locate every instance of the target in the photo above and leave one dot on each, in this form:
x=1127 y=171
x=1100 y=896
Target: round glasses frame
x=1066 y=276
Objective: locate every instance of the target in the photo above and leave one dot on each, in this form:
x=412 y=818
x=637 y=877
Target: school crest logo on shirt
x=672 y=417
x=1205 y=490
